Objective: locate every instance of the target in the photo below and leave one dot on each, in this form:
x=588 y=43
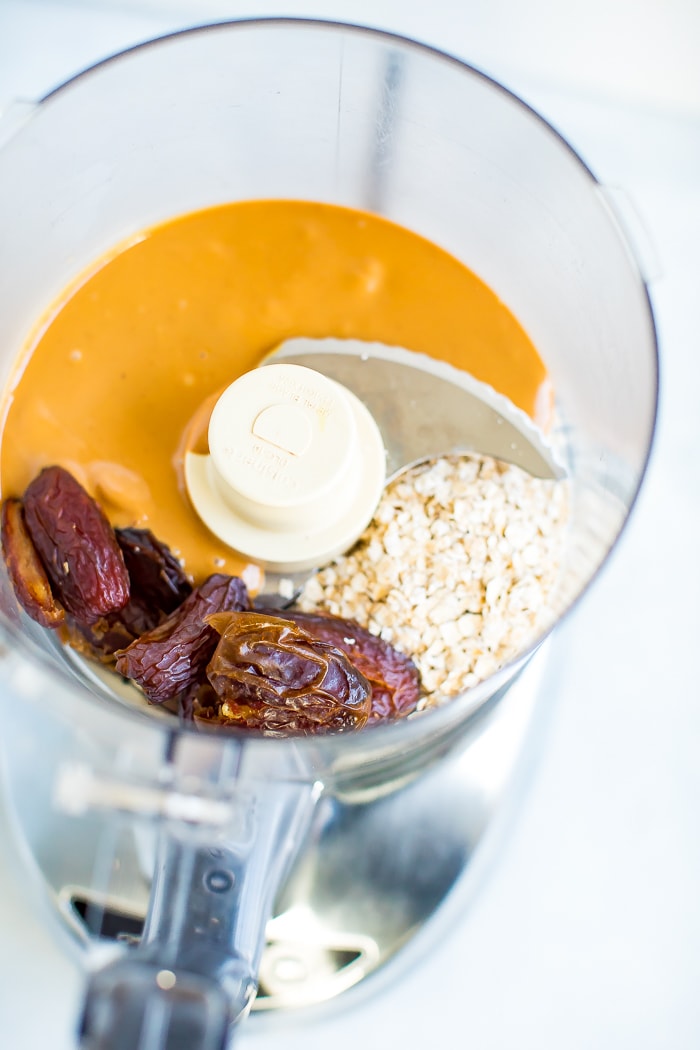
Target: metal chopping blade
x=424 y=407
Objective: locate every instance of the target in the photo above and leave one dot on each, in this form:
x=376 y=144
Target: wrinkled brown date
x=157 y=578
x=121 y=596
x=157 y=586
x=393 y=676
x=76 y=545
x=173 y=656
x=100 y=640
x=25 y=569
x=273 y=676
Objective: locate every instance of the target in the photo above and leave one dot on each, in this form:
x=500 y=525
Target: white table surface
x=586 y=932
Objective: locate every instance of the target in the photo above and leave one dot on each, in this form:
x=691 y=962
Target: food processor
x=189 y=869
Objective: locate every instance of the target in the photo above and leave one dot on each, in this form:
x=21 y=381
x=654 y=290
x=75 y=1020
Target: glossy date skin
x=76 y=545
x=271 y=675
x=67 y=554
x=393 y=676
x=172 y=657
x=121 y=597
x=25 y=568
x=157 y=586
x=156 y=576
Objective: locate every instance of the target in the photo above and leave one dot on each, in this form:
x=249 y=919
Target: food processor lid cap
x=295 y=470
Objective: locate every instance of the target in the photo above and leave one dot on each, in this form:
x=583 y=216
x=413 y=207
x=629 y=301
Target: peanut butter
x=134 y=355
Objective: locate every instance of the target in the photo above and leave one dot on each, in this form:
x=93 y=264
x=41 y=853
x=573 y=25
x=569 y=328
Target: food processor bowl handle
x=193 y=975
x=129 y=1008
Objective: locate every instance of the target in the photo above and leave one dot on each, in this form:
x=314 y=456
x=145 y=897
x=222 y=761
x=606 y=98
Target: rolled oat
x=457 y=568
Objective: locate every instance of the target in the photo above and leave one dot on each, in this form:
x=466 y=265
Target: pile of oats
x=457 y=568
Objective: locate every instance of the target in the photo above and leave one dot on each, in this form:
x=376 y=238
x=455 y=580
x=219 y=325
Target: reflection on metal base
x=372 y=873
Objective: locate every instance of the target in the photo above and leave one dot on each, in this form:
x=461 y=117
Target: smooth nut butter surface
x=130 y=365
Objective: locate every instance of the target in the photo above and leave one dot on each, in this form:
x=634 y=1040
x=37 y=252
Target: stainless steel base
x=371 y=874
x=374 y=873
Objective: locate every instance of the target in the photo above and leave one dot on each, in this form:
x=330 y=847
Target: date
x=272 y=675
x=100 y=640
x=393 y=676
x=25 y=569
x=157 y=586
x=76 y=545
x=156 y=577
x=121 y=597
x=173 y=656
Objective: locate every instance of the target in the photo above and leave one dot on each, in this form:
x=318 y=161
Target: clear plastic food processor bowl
x=168 y=853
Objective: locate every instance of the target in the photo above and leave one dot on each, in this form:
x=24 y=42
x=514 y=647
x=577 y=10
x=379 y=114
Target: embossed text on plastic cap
x=295 y=468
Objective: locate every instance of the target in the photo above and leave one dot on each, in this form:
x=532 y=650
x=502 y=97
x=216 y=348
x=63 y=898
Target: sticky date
x=155 y=574
x=392 y=675
x=157 y=586
x=25 y=569
x=120 y=596
x=273 y=676
x=173 y=656
x=76 y=545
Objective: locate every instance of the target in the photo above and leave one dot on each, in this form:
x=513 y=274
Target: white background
x=586 y=932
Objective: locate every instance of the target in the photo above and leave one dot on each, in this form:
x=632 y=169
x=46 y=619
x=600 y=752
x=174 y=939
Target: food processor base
x=374 y=869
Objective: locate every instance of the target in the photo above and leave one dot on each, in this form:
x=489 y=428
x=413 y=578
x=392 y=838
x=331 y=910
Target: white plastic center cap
x=286 y=426
x=295 y=469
